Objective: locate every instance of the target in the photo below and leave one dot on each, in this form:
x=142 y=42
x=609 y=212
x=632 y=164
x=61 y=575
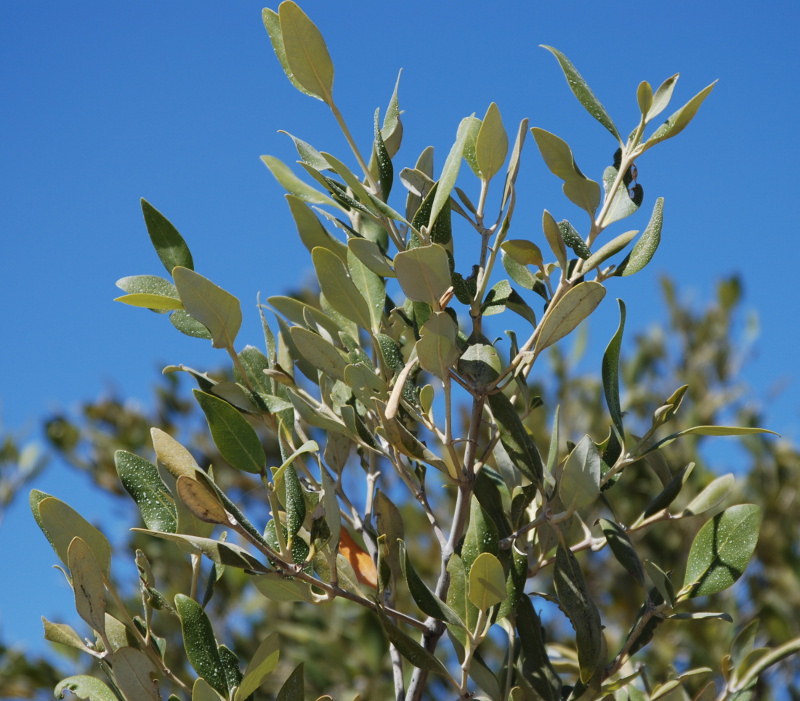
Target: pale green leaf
x=662 y=97
x=679 y=120
x=322 y=355
x=712 y=496
x=491 y=144
x=553 y=235
x=644 y=96
x=85 y=687
x=215 y=550
x=487 y=581
x=437 y=347
x=272 y=23
x=645 y=248
x=217 y=310
x=176 y=459
x=277 y=587
x=311 y=231
x=293 y=185
x=423 y=273
x=575 y=306
x=200 y=501
x=339 y=289
x=579 y=485
x=87 y=582
x=450 y=170
x=611 y=248
x=370 y=254
x=135 y=674
x=306 y=53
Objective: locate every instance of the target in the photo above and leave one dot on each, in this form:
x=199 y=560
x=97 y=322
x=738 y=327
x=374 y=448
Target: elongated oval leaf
x=553 y=235
x=450 y=170
x=662 y=97
x=169 y=244
x=582 y=91
x=437 y=347
x=535 y=663
x=322 y=355
x=60 y=523
x=410 y=648
x=712 y=496
x=261 y=665
x=579 y=485
x=515 y=438
x=581 y=610
x=235 y=438
x=142 y=481
x=150 y=301
x=721 y=550
x=570 y=311
x=610 y=372
x=147 y=284
x=200 y=501
x=423 y=273
x=623 y=549
x=491 y=144
x=370 y=254
x=644 y=96
x=217 y=310
x=135 y=674
x=200 y=643
x=176 y=459
x=646 y=246
x=427 y=601
x=611 y=248
x=339 y=289
x=311 y=231
x=306 y=53
x=679 y=120
x=293 y=688
x=292 y=184
x=87 y=581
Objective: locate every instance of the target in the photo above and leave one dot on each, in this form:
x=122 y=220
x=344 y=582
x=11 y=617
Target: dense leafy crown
x=387 y=384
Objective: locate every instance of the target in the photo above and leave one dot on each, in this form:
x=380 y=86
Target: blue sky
x=104 y=103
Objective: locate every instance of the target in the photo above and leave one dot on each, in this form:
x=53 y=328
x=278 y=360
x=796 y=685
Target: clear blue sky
x=104 y=103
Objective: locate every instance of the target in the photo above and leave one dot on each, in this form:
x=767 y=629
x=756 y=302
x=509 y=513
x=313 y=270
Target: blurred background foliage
x=702 y=347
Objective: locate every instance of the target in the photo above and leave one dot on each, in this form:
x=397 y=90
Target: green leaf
x=322 y=355
x=491 y=144
x=150 y=301
x=135 y=674
x=299 y=312
x=371 y=255
x=480 y=363
x=311 y=231
x=710 y=431
x=277 y=587
x=579 y=485
x=574 y=240
x=487 y=581
x=410 y=648
x=423 y=273
x=293 y=185
x=611 y=248
x=87 y=582
x=200 y=643
x=623 y=204
x=582 y=91
x=383 y=159
x=662 y=97
x=203 y=691
x=60 y=523
x=372 y=289
x=712 y=496
x=427 y=601
x=216 y=550
x=272 y=23
x=235 y=438
x=261 y=665
x=623 y=549
x=645 y=248
x=450 y=170
x=562 y=318
x=669 y=493
x=515 y=438
x=481 y=536
x=523 y=251
x=661 y=582
x=217 y=310
x=679 y=120
x=502 y=296
x=306 y=53
x=188 y=325
x=610 y=372
x=437 y=347
x=557 y=154
x=293 y=688
x=473 y=129
x=534 y=660
x=176 y=459
x=142 y=481
x=644 y=96
x=721 y=550
x=85 y=687
x=64 y=635
x=553 y=235
x=295 y=503
x=339 y=289
x=581 y=610
x=169 y=244
x=148 y=284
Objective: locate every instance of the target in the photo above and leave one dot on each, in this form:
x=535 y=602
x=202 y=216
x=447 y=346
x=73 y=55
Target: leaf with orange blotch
x=359 y=559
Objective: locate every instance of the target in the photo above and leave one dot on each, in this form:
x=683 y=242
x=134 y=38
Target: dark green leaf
x=142 y=481
x=574 y=240
x=623 y=549
x=481 y=536
x=235 y=438
x=169 y=244
x=480 y=363
x=661 y=582
x=200 y=643
x=216 y=550
x=384 y=161
x=295 y=503
x=293 y=688
x=582 y=91
x=581 y=610
x=515 y=439
x=410 y=648
x=534 y=660
x=669 y=493
x=721 y=550
x=611 y=372
x=427 y=601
